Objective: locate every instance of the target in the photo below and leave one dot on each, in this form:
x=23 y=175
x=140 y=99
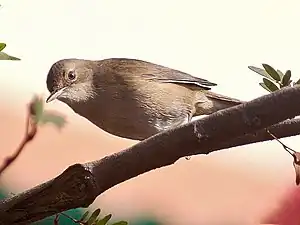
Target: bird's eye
x=71 y=75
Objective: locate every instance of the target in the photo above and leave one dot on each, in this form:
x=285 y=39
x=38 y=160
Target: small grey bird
x=132 y=98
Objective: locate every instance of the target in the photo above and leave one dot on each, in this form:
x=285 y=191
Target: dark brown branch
x=30 y=132
x=79 y=185
x=283 y=129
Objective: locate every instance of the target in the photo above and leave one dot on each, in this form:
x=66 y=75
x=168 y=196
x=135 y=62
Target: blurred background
x=215 y=40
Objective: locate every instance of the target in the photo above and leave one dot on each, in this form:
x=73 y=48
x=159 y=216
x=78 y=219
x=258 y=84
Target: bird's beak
x=55 y=94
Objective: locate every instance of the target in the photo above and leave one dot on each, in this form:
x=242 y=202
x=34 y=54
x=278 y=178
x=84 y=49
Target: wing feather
x=148 y=70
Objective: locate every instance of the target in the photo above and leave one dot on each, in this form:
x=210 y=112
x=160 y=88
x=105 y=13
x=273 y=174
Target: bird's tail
x=215 y=103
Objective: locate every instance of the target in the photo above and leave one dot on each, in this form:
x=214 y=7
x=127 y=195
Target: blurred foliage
x=274 y=80
x=5 y=56
x=42 y=116
x=94 y=218
x=146 y=221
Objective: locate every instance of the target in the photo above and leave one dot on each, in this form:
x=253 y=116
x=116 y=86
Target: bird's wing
x=167 y=75
x=151 y=71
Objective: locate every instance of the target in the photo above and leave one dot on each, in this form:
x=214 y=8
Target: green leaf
x=51 y=117
x=104 y=220
x=84 y=216
x=297 y=82
x=280 y=74
x=259 y=71
x=38 y=107
x=272 y=72
x=2 y=46
x=4 y=56
x=270 y=85
x=93 y=217
x=265 y=87
x=286 y=78
x=120 y=223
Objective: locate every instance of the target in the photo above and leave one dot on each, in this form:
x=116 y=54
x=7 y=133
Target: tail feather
x=215 y=103
x=220 y=97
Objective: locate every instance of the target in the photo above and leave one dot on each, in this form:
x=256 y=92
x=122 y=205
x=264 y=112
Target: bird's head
x=70 y=80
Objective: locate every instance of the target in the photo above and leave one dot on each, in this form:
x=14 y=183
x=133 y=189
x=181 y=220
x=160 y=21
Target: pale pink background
x=215 y=40
x=240 y=185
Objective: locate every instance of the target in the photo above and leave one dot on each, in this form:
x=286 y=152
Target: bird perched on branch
x=132 y=98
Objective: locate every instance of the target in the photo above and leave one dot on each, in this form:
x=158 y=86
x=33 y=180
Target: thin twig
x=56 y=219
x=30 y=132
x=287 y=148
x=73 y=220
x=293 y=153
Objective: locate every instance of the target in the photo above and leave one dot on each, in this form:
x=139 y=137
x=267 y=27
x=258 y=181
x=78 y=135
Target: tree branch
x=30 y=132
x=80 y=184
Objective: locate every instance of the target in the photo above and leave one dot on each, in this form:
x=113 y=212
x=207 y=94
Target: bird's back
x=146 y=70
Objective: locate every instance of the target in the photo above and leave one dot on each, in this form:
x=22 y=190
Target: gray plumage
x=132 y=98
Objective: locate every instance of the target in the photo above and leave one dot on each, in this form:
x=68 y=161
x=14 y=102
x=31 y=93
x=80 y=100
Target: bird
x=132 y=98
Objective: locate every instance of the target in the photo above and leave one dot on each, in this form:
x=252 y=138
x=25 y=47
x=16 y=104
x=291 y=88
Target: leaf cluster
x=42 y=116
x=274 y=80
x=5 y=56
x=95 y=219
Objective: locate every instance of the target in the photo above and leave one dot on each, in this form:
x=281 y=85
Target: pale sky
x=215 y=40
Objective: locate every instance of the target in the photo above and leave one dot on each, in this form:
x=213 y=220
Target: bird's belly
x=131 y=119
x=137 y=124
x=138 y=110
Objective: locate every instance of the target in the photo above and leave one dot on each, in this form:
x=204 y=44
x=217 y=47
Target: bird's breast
x=136 y=111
